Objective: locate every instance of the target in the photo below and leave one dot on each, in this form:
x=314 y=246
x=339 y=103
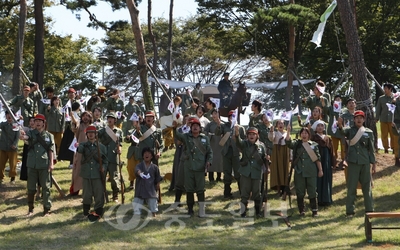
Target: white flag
x=216 y=101
x=134 y=138
x=269 y=114
x=317 y=37
x=122 y=95
x=334 y=125
x=166 y=85
x=72 y=146
x=185 y=129
x=234 y=118
x=171 y=106
x=391 y=107
x=308 y=116
x=46 y=101
x=134 y=117
x=337 y=106
x=286 y=115
x=295 y=110
x=119 y=114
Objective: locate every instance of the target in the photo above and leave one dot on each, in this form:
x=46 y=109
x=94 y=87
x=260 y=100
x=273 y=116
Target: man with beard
x=39 y=163
x=111 y=137
x=149 y=136
x=79 y=131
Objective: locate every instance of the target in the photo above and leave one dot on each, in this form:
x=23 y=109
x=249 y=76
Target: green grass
x=65 y=229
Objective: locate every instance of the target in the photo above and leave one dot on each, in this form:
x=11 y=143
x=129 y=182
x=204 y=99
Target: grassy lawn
x=223 y=229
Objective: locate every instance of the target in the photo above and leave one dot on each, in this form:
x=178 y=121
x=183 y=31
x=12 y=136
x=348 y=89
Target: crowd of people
x=227 y=152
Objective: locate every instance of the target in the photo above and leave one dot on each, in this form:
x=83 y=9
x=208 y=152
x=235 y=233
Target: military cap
x=91 y=128
x=149 y=113
x=40 y=117
x=359 y=113
x=111 y=114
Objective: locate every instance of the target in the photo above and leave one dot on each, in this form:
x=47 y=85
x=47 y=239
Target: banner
x=317 y=37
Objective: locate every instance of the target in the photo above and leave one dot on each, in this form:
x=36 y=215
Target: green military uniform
x=55 y=119
x=8 y=138
x=359 y=158
x=190 y=111
x=36 y=97
x=198 y=153
x=111 y=145
x=26 y=105
x=251 y=171
x=154 y=141
x=263 y=131
x=38 y=166
x=348 y=118
x=99 y=124
x=255 y=119
x=386 y=118
x=91 y=172
x=43 y=107
x=230 y=155
x=305 y=173
x=313 y=101
x=130 y=108
x=115 y=105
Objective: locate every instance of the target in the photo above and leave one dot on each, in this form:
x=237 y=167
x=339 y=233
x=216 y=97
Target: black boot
x=257 y=208
x=243 y=210
x=202 y=205
x=314 y=207
x=190 y=202
x=219 y=177
x=31 y=199
x=211 y=176
x=300 y=205
x=99 y=211
x=86 y=209
x=227 y=191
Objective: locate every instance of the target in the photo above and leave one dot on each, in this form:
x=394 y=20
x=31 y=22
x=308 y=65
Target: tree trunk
x=142 y=61
x=153 y=42
x=357 y=65
x=169 y=45
x=290 y=66
x=19 y=50
x=38 y=65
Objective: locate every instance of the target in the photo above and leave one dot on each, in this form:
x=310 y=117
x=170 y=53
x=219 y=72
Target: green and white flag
x=317 y=37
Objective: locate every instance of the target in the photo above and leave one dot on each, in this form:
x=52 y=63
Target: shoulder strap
x=148 y=133
x=199 y=145
x=310 y=151
x=42 y=142
x=224 y=139
x=357 y=137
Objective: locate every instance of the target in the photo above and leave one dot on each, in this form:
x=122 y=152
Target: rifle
x=26 y=77
x=287 y=186
x=15 y=119
x=62 y=194
x=121 y=179
x=157 y=145
x=103 y=180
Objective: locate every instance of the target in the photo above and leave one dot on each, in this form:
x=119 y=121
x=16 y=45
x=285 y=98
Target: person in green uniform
x=45 y=103
x=114 y=104
x=318 y=99
x=9 y=138
x=149 y=136
x=348 y=121
x=361 y=156
x=93 y=166
x=36 y=96
x=386 y=119
x=307 y=167
x=97 y=118
x=55 y=120
x=130 y=109
x=199 y=157
x=25 y=103
x=39 y=163
x=111 y=137
x=254 y=158
x=230 y=153
x=256 y=116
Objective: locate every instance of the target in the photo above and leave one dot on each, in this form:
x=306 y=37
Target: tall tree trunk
x=356 y=60
x=142 y=61
x=38 y=65
x=290 y=65
x=153 y=42
x=169 y=45
x=19 y=50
